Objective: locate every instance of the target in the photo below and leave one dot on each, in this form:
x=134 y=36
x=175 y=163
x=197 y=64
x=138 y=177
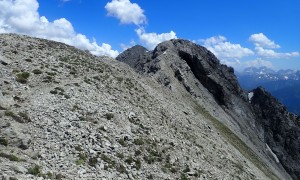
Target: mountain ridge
x=235 y=105
x=67 y=114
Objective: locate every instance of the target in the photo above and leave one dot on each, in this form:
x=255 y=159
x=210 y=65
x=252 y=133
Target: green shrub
x=35 y=170
x=93 y=161
x=129 y=160
x=138 y=141
x=138 y=164
x=11 y=157
x=111 y=163
x=25 y=116
x=79 y=162
x=82 y=156
x=22 y=77
x=120 y=155
x=3 y=141
x=78 y=148
x=9 y=113
x=122 y=142
x=183 y=177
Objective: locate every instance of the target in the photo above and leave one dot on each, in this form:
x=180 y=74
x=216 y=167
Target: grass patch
x=122 y=142
x=111 y=163
x=35 y=170
x=9 y=113
x=79 y=161
x=22 y=77
x=15 y=117
x=78 y=148
x=3 y=141
x=93 y=161
x=82 y=159
x=11 y=157
x=138 y=141
x=137 y=162
x=120 y=155
x=25 y=116
x=237 y=142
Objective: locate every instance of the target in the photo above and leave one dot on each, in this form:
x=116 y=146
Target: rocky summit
x=171 y=113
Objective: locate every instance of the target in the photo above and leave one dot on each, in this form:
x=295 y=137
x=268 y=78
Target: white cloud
x=19 y=16
x=269 y=53
x=260 y=40
x=264 y=47
x=127 y=46
x=258 y=63
x=224 y=49
x=241 y=65
x=235 y=63
x=153 y=39
x=126 y=12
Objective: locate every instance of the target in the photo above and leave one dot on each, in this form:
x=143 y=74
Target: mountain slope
x=66 y=114
x=185 y=67
x=281 y=128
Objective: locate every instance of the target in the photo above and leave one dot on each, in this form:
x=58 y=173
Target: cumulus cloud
x=126 y=12
x=19 y=16
x=127 y=46
x=152 y=39
x=260 y=40
x=269 y=53
x=224 y=49
x=258 y=63
x=264 y=47
x=241 y=65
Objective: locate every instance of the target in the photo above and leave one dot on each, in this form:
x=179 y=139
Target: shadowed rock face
x=281 y=130
x=217 y=78
x=133 y=55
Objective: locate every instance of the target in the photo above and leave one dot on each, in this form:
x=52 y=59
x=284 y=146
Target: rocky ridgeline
x=66 y=114
x=264 y=123
x=281 y=129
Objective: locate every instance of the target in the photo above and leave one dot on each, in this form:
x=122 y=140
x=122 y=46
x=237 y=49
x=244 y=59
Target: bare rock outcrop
x=281 y=129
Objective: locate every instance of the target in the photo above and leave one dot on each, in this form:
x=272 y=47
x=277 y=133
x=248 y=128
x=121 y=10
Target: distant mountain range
x=283 y=84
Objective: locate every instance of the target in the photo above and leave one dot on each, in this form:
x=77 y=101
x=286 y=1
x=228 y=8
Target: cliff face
x=67 y=114
x=262 y=122
x=218 y=79
x=281 y=129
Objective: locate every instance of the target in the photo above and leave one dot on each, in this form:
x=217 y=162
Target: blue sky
x=240 y=33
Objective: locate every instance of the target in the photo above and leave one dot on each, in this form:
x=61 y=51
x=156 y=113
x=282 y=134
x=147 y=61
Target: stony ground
x=66 y=114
